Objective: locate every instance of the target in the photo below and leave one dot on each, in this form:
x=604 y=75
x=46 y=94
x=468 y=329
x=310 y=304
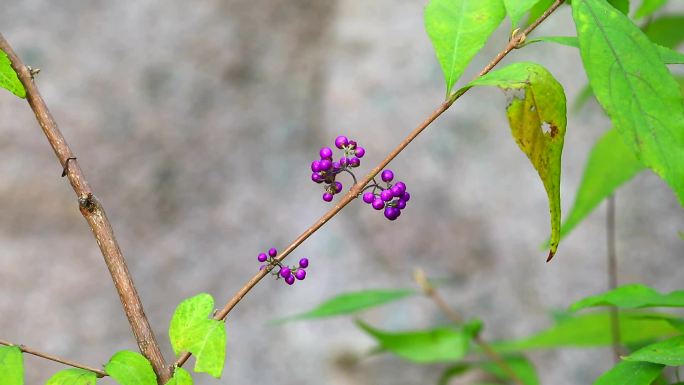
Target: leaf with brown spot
x=537 y=116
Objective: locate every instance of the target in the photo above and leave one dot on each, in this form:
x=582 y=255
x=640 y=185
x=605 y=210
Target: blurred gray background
x=196 y=123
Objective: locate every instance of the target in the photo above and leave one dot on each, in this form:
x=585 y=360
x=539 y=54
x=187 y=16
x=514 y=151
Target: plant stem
x=27 y=350
x=456 y=318
x=358 y=187
x=612 y=274
x=95 y=215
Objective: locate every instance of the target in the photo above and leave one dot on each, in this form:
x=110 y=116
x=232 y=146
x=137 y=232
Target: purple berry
x=405 y=196
x=401 y=186
x=368 y=197
x=344 y=161
x=354 y=162
x=290 y=280
x=316 y=166
x=262 y=257
x=336 y=166
x=401 y=204
x=300 y=274
x=327 y=197
x=325 y=152
x=391 y=213
x=378 y=204
x=338 y=187
x=272 y=252
x=285 y=272
x=386 y=195
x=360 y=152
x=352 y=144
x=316 y=177
x=325 y=165
x=341 y=141
x=304 y=263
x=396 y=191
x=387 y=176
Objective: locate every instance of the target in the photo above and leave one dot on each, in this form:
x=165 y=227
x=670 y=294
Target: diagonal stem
x=95 y=215
x=456 y=318
x=612 y=275
x=356 y=190
x=100 y=373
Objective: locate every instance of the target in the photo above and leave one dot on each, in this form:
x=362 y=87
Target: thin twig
x=100 y=373
x=95 y=215
x=358 y=188
x=456 y=318
x=612 y=275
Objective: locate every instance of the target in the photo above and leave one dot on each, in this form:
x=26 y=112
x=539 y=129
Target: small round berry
x=391 y=213
x=316 y=177
x=354 y=162
x=387 y=176
x=272 y=252
x=304 y=263
x=325 y=152
x=344 y=161
x=327 y=197
x=378 y=204
x=290 y=280
x=360 y=152
x=368 y=197
x=316 y=166
x=325 y=165
x=262 y=257
x=386 y=195
x=285 y=272
x=300 y=274
x=352 y=144
x=401 y=186
x=405 y=196
x=336 y=166
x=338 y=186
x=341 y=141
x=401 y=204
x=396 y=191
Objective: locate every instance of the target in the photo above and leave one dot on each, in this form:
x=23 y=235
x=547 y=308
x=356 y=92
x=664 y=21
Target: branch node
x=86 y=202
x=33 y=71
x=65 y=170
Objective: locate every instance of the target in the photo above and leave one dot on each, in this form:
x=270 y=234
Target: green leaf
x=632 y=297
x=620 y=5
x=666 y=31
x=180 y=377
x=8 y=78
x=539 y=10
x=451 y=372
x=192 y=330
x=667 y=55
x=423 y=346
x=349 y=303
x=630 y=373
x=131 y=368
x=517 y=8
x=520 y=365
x=11 y=365
x=611 y=163
x=73 y=377
x=634 y=87
x=538 y=121
x=648 y=7
x=458 y=29
x=594 y=329
x=669 y=352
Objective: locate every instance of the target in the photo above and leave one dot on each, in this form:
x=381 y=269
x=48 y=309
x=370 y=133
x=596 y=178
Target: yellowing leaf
x=537 y=116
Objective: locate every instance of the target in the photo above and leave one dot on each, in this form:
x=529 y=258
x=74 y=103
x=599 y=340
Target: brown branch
x=94 y=213
x=456 y=318
x=356 y=190
x=612 y=275
x=100 y=373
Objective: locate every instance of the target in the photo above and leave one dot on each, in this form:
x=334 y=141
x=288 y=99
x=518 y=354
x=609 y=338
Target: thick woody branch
x=357 y=189
x=95 y=215
x=27 y=350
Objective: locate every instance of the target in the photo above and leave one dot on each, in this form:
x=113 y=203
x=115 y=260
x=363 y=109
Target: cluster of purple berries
x=325 y=169
x=289 y=274
x=392 y=197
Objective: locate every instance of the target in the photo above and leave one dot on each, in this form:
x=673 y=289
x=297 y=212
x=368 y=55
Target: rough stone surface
x=196 y=123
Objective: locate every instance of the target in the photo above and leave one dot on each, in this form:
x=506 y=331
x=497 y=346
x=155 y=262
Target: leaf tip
x=551 y=254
